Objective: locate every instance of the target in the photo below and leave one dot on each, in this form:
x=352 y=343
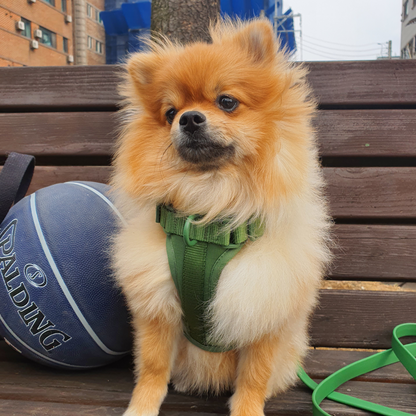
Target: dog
x=221 y=130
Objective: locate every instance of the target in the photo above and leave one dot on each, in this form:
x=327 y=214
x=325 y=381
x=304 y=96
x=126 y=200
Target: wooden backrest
x=366 y=127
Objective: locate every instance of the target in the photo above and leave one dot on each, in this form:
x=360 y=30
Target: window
x=405 y=9
x=48 y=37
x=97 y=15
x=98 y=47
x=63 y=6
x=406 y=52
x=411 y=48
x=89 y=42
x=89 y=10
x=65 y=45
x=26 y=32
x=51 y=2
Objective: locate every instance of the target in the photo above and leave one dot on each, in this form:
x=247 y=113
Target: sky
x=346 y=29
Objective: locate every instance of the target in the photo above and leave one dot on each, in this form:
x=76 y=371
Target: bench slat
x=378 y=252
x=110 y=388
x=360 y=319
x=366 y=133
x=294 y=402
x=50 y=175
x=374 y=252
x=30 y=408
x=363 y=83
x=78 y=400
x=58 y=134
x=75 y=87
x=371 y=192
x=320 y=363
x=353 y=192
x=362 y=133
x=94 y=87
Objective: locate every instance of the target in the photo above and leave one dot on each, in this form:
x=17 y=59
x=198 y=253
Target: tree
x=184 y=20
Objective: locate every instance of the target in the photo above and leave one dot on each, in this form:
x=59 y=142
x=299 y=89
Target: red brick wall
x=99 y=4
x=15 y=48
x=96 y=31
x=6 y=62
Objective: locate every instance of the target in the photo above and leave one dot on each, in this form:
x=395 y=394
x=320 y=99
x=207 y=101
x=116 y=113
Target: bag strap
x=15 y=179
x=399 y=352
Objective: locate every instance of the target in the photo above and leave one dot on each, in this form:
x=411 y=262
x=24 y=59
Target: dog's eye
x=227 y=103
x=170 y=115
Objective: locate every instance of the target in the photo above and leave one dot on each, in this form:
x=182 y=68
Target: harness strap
x=215 y=232
x=197 y=255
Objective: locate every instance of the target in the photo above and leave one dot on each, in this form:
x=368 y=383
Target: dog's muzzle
x=195 y=144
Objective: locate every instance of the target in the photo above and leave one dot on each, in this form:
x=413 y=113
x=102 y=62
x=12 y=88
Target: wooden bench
x=367 y=132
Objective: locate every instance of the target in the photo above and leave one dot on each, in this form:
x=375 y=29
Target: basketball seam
x=61 y=282
x=102 y=196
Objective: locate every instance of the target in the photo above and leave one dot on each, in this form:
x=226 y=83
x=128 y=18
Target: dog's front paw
x=247 y=412
x=245 y=406
x=135 y=412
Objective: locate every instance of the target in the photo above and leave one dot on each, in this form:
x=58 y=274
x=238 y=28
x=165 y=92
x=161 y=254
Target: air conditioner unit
x=68 y=18
x=34 y=44
x=31 y=1
x=20 y=25
x=70 y=59
x=37 y=33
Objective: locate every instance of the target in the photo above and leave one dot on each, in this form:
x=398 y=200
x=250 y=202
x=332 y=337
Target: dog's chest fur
x=259 y=292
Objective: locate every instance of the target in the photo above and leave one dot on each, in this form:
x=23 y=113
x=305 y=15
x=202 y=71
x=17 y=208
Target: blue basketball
x=58 y=302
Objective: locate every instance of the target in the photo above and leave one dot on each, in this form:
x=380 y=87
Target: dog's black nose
x=192 y=121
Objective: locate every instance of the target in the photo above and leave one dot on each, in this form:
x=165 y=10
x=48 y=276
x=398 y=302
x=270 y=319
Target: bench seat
x=27 y=388
x=366 y=129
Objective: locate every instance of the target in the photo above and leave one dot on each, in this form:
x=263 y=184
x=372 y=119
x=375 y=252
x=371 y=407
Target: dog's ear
x=141 y=68
x=257 y=39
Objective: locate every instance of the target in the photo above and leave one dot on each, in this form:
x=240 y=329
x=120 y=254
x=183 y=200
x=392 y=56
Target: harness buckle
x=186 y=229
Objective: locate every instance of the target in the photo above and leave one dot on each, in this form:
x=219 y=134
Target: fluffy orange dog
x=222 y=130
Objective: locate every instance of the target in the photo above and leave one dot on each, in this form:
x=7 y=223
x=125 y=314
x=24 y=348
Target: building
x=42 y=32
x=408 y=34
x=126 y=22
x=36 y=33
x=121 y=38
x=89 y=33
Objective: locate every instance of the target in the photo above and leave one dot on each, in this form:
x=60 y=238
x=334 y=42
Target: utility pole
x=389 y=49
x=278 y=20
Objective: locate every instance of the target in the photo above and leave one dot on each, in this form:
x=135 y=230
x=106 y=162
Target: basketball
x=58 y=302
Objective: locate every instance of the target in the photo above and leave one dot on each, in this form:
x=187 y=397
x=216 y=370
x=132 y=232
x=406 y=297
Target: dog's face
x=213 y=112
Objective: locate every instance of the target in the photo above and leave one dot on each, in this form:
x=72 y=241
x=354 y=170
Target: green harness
x=197 y=255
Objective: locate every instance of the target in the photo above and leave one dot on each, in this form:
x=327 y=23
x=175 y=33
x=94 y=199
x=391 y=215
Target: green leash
x=399 y=352
x=197 y=255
